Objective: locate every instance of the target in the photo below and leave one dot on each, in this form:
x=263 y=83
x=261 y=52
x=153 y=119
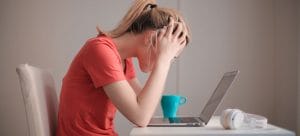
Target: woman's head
x=142 y=17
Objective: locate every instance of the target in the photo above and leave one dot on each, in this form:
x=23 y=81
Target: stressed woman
x=101 y=78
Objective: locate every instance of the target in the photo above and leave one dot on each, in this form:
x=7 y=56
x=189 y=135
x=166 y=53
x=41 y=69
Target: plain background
x=259 y=37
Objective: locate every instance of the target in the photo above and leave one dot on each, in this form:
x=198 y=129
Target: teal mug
x=170 y=104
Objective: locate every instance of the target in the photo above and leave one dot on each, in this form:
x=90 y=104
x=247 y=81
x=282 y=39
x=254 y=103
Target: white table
x=213 y=128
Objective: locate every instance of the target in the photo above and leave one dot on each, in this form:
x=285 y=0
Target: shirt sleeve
x=102 y=63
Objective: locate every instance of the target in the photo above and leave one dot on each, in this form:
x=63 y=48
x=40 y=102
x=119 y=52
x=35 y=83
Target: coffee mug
x=170 y=104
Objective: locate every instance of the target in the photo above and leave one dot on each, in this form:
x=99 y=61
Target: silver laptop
x=206 y=113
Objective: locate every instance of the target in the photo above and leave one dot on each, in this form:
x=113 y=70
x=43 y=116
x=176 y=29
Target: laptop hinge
x=202 y=120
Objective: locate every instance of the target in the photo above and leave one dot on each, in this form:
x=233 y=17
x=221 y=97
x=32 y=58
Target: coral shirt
x=84 y=108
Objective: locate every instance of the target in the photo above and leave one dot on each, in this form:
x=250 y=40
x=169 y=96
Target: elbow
x=141 y=122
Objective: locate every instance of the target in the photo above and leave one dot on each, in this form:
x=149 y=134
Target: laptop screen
x=217 y=96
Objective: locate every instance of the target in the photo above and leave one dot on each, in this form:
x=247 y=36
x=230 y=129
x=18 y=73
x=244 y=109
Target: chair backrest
x=40 y=100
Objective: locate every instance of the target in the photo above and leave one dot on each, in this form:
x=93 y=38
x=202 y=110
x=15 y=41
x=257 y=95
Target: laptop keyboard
x=183 y=120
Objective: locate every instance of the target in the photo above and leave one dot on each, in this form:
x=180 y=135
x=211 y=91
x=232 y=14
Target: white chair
x=40 y=100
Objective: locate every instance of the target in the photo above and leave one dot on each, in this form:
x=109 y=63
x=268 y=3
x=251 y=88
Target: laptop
x=207 y=112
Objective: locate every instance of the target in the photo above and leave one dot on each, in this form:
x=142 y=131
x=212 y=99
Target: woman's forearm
x=150 y=95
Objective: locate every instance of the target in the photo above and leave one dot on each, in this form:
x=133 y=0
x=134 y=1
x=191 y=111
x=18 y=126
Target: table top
x=213 y=128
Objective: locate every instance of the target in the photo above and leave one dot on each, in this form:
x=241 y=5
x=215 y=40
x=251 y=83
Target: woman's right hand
x=170 y=43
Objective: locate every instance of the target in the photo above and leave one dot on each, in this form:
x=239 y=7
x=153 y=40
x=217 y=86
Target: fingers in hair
x=178 y=31
x=170 y=28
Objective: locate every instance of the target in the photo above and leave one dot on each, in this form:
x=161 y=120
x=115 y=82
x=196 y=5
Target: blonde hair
x=144 y=15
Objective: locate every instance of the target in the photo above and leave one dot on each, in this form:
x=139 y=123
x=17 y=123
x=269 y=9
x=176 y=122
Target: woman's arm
x=136 y=85
x=139 y=108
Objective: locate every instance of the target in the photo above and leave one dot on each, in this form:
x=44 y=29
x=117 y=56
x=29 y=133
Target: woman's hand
x=170 y=42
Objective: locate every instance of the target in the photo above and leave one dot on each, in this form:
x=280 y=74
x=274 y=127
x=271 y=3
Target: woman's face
x=147 y=51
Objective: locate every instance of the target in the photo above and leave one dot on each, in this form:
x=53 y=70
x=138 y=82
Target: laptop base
x=176 y=122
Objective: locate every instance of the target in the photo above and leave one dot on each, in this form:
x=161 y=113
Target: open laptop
x=206 y=113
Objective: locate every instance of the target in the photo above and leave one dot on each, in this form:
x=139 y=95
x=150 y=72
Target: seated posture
x=101 y=78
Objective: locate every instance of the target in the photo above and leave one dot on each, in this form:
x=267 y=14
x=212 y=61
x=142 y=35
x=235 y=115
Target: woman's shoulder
x=101 y=45
x=102 y=40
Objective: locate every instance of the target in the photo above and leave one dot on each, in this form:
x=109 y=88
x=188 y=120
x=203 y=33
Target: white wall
x=286 y=63
x=254 y=36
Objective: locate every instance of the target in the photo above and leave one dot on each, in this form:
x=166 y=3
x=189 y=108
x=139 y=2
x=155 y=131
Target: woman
x=102 y=78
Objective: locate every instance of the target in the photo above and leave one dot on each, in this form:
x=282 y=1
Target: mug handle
x=182 y=100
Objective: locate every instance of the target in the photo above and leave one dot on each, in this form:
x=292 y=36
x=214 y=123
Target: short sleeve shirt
x=84 y=108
